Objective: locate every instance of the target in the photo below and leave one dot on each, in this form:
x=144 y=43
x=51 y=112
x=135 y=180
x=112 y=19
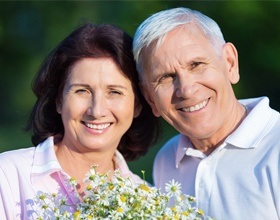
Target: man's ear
x=231 y=58
x=149 y=99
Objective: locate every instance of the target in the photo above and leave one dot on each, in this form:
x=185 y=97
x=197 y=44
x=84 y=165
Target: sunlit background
x=29 y=30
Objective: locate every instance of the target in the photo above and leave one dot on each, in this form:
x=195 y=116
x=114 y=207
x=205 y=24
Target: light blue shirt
x=240 y=180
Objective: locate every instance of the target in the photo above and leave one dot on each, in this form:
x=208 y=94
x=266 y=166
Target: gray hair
x=155 y=28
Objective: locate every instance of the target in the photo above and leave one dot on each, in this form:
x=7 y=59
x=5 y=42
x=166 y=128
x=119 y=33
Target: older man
x=227 y=153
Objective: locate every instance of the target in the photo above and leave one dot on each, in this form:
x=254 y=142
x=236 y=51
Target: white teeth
x=97 y=127
x=196 y=107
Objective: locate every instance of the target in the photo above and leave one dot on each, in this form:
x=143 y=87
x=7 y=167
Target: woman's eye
x=115 y=92
x=83 y=93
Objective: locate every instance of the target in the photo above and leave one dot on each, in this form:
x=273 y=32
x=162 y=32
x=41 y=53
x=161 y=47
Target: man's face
x=188 y=82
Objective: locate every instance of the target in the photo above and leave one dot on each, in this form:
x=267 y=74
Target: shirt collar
x=258 y=121
x=183 y=145
x=255 y=126
x=45 y=160
x=119 y=163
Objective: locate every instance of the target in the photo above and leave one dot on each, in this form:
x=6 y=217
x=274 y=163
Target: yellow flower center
x=144 y=187
x=111 y=186
x=173 y=188
x=123 y=198
x=120 y=209
x=89 y=187
x=76 y=214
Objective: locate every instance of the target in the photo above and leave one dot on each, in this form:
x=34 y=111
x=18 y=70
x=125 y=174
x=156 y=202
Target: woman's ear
x=58 y=105
x=149 y=99
x=231 y=59
x=137 y=108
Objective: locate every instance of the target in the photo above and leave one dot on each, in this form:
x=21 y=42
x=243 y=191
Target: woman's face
x=97 y=106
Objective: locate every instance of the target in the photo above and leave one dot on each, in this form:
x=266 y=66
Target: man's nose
x=185 y=86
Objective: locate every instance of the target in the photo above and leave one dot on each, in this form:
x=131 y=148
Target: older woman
x=89 y=111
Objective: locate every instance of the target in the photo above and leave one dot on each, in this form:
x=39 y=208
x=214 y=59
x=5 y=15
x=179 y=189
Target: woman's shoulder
x=16 y=157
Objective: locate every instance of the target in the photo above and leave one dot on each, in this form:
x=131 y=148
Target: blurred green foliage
x=29 y=30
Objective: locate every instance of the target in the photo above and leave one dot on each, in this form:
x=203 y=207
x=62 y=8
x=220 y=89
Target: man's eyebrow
x=199 y=58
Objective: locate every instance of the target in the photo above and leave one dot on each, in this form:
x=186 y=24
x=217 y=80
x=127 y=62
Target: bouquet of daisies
x=118 y=198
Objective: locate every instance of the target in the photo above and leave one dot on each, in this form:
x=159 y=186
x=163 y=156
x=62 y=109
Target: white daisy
x=173 y=188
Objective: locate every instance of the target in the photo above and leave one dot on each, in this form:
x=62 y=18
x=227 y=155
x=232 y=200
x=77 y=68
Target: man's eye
x=167 y=78
x=195 y=64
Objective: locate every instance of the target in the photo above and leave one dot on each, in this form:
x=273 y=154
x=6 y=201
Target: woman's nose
x=98 y=106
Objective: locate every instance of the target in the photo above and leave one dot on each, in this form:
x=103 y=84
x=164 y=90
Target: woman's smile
x=100 y=128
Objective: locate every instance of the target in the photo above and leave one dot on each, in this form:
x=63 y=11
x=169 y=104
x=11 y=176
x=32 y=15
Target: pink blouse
x=26 y=172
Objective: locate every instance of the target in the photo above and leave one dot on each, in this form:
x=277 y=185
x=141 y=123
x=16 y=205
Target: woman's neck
x=77 y=164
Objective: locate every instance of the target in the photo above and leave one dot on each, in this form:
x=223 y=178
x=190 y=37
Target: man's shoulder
x=173 y=141
x=170 y=147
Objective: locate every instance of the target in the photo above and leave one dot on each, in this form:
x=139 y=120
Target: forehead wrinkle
x=154 y=56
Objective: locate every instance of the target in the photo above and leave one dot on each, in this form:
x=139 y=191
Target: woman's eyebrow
x=79 y=84
x=73 y=86
x=117 y=86
x=88 y=86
